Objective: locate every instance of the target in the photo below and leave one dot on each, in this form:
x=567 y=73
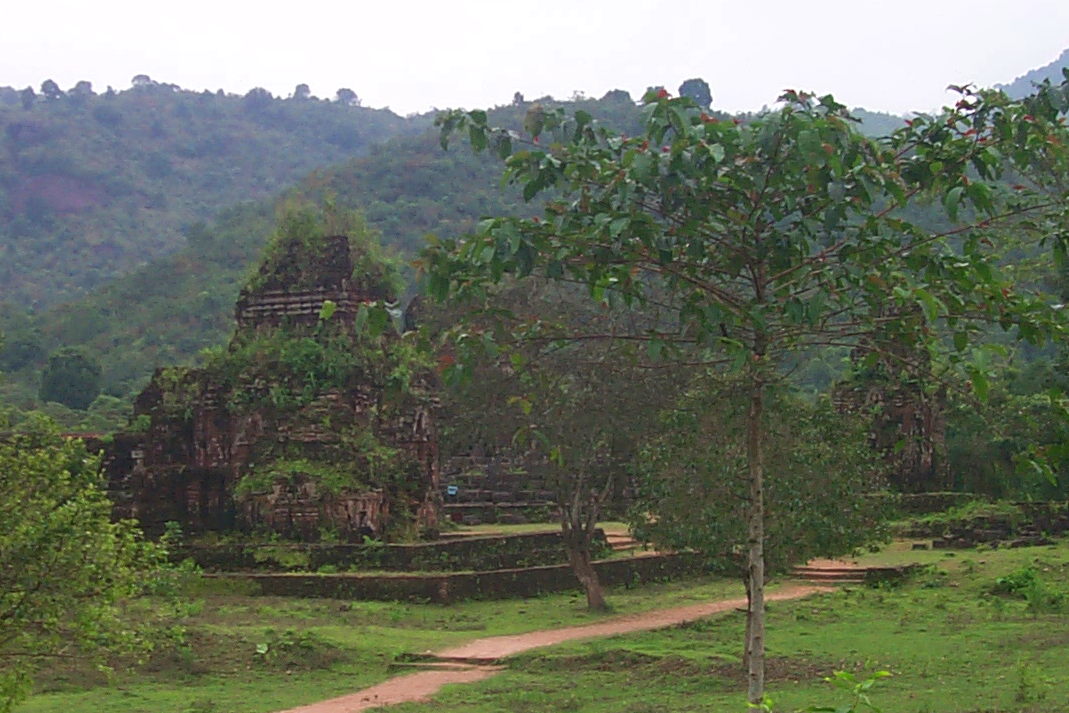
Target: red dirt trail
x=474 y=660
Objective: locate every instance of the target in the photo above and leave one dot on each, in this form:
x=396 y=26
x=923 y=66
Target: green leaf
x=980 y=384
x=980 y=194
x=582 y=118
x=477 y=137
x=504 y=146
x=809 y=143
x=644 y=166
x=478 y=116
x=377 y=320
x=327 y=310
x=951 y=201
x=531 y=189
x=932 y=306
x=678 y=120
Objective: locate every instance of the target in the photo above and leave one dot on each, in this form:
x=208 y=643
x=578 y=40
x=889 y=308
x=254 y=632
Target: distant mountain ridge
x=1025 y=84
x=94 y=185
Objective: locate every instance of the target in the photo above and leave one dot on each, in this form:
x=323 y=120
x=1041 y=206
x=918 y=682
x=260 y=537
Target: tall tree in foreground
x=781 y=234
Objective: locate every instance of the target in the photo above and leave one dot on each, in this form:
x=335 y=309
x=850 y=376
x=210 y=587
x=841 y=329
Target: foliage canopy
x=788 y=232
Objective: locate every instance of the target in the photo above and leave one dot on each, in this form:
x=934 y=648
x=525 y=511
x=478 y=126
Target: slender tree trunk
x=579 y=512
x=755 y=560
x=749 y=620
x=582 y=565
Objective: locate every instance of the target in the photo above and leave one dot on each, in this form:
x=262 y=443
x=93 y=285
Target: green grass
x=220 y=671
x=951 y=645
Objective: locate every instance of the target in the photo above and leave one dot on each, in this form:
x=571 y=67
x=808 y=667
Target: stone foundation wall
x=469 y=553
x=450 y=588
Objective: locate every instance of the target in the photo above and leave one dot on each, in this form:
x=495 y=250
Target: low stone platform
x=472 y=552
x=447 y=588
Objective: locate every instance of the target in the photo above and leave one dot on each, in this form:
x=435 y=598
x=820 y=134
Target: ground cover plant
x=971 y=633
x=245 y=654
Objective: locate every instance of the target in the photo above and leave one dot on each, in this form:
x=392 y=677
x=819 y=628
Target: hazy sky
x=412 y=56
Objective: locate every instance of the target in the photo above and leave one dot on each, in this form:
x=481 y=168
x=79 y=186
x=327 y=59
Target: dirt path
x=475 y=660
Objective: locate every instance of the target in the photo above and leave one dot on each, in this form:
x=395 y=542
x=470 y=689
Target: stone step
x=804 y=569
x=831 y=577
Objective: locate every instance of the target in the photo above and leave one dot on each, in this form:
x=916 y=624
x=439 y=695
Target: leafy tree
x=27 y=96
x=80 y=94
x=83 y=88
x=302 y=92
x=617 y=95
x=347 y=97
x=22 y=342
x=693 y=476
x=1011 y=445
x=256 y=100
x=64 y=566
x=21 y=349
x=777 y=235
x=50 y=90
x=583 y=406
x=71 y=378
x=697 y=90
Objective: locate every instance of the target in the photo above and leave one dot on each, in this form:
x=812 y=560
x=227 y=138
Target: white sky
x=412 y=55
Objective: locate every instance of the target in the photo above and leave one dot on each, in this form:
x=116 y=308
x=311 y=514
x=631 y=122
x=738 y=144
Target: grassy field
x=952 y=645
x=318 y=648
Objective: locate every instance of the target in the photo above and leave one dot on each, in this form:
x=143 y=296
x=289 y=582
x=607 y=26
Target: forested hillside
x=175 y=270
x=164 y=312
x=1026 y=83
x=94 y=185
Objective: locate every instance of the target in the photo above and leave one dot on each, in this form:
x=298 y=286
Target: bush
x=1026 y=583
x=291 y=649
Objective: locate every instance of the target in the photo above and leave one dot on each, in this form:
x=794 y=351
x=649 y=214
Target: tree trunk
x=581 y=561
x=755 y=550
x=579 y=510
x=749 y=620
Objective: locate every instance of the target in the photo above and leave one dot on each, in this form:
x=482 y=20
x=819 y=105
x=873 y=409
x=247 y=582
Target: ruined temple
x=299 y=427
x=908 y=412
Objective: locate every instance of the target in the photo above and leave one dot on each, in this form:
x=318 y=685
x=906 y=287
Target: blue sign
x=451 y=490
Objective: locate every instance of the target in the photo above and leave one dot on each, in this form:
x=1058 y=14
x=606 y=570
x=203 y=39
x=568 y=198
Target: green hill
x=168 y=309
x=94 y=185
x=1027 y=82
